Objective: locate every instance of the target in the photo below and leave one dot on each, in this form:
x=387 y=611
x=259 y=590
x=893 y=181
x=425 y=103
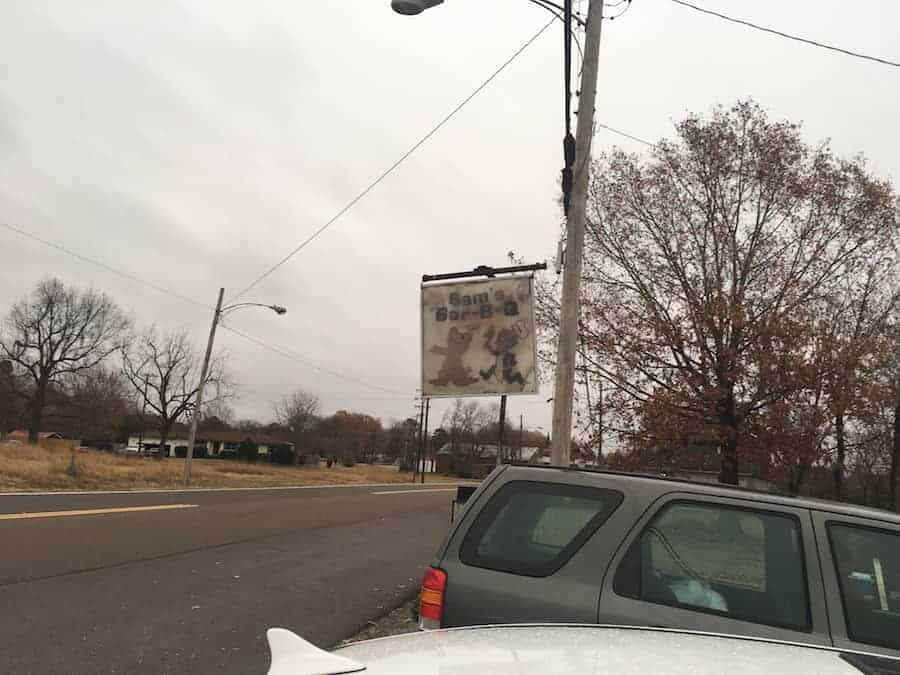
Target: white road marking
x=93 y=512
x=409 y=492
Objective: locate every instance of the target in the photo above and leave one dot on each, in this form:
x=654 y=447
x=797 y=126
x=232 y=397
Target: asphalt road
x=188 y=582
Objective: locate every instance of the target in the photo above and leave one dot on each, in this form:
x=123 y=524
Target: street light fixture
x=278 y=309
x=413 y=7
x=217 y=317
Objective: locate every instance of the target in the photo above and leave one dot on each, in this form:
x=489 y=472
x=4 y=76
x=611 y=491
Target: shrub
x=283 y=454
x=248 y=450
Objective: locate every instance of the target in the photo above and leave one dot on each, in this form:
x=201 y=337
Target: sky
x=193 y=144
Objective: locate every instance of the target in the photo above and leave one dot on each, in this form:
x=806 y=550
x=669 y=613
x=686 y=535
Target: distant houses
x=22 y=435
x=469 y=460
x=207 y=444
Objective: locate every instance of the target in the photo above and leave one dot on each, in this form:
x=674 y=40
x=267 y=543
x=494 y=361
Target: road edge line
x=62 y=493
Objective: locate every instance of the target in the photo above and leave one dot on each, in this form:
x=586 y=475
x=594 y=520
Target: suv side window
x=868 y=570
x=720 y=559
x=533 y=528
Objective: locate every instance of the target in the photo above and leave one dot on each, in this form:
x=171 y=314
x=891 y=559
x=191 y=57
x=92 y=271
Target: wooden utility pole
x=569 y=310
x=425 y=439
x=501 y=430
x=420 y=424
x=521 y=434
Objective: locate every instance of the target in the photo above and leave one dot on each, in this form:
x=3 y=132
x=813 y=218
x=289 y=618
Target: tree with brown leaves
x=705 y=268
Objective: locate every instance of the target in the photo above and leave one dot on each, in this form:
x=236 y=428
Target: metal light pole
x=217 y=317
x=568 y=320
x=143 y=416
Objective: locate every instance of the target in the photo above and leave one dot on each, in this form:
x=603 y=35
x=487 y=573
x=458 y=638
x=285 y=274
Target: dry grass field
x=44 y=467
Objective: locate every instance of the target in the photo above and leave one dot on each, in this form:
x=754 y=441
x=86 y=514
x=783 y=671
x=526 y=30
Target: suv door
x=720 y=565
x=861 y=571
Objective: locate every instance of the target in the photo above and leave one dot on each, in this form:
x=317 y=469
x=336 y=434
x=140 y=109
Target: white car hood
x=561 y=650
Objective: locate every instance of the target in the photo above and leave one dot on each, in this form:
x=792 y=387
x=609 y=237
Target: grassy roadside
x=32 y=467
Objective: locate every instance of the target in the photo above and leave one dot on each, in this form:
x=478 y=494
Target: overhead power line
x=557 y=13
x=624 y=134
x=185 y=298
x=108 y=268
x=384 y=174
x=779 y=33
x=299 y=359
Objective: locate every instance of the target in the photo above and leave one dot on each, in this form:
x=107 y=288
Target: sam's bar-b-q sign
x=478 y=338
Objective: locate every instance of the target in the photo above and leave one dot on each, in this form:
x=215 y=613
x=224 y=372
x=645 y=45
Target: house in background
x=226 y=443
x=526 y=454
x=22 y=435
x=477 y=461
x=207 y=444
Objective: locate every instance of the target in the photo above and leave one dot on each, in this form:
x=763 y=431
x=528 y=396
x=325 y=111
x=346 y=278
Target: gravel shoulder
x=402 y=619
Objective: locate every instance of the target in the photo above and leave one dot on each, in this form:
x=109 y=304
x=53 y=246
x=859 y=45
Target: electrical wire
x=625 y=134
x=567 y=66
x=108 y=268
x=184 y=298
x=558 y=11
x=573 y=33
x=384 y=174
x=299 y=359
x=567 y=175
x=622 y=12
x=797 y=38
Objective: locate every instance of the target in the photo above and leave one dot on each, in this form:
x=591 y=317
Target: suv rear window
x=532 y=528
x=868 y=568
x=724 y=560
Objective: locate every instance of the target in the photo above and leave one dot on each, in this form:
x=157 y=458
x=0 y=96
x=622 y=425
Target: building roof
x=238 y=436
x=528 y=452
x=42 y=435
x=220 y=436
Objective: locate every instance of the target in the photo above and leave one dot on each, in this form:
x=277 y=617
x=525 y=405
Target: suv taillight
x=431 y=600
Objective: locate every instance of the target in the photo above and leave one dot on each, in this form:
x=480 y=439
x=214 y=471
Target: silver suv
x=539 y=544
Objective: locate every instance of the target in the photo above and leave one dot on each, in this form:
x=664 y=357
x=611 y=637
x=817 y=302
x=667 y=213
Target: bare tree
x=172 y=375
x=7 y=399
x=98 y=401
x=221 y=410
x=402 y=437
x=703 y=267
x=58 y=332
x=298 y=412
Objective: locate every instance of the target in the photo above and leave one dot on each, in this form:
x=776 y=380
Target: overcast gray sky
x=195 y=143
